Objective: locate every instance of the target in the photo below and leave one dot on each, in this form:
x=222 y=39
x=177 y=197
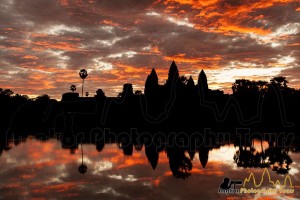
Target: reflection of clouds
x=86 y=160
x=129 y=178
x=224 y=155
x=54 y=180
x=102 y=166
x=52 y=172
x=295 y=167
x=61 y=173
x=10 y=160
x=293 y=171
x=111 y=191
x=114 y=176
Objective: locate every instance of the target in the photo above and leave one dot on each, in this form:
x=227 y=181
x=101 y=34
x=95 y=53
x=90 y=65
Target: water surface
x=35 y=169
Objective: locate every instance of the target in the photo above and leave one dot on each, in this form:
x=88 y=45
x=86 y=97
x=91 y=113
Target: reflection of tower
x=203 y=156
x=152 y=155
x=180 y=165
x=125 y=144
x=138 y=146
x=127 y=148
x=100 y=145
x=82 y=168
x=191 y=154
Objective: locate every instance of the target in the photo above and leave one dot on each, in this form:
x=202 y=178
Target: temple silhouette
x=178 y=105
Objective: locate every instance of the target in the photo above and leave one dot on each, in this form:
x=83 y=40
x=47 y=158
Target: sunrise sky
x=44 y=44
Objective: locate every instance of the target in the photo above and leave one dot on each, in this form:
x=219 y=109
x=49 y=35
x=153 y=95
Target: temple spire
x=202 y=82
x=173 y=74
x=151 y=82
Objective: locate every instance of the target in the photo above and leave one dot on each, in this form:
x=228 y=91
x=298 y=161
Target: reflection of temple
x=180 y=164
x=180 y=157
x=203 y=156
x=152 y=155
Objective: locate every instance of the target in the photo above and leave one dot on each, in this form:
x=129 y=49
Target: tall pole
x=81 y=154
x=82 y=87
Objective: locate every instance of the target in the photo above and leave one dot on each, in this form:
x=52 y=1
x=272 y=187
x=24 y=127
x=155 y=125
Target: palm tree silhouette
x=83 y=74
x=73 y=88
x=82 y=168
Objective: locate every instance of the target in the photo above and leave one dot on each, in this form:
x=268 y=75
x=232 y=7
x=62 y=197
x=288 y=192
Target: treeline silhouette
x=178 y=105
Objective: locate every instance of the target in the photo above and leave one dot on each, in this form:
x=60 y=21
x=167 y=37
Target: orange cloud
x=181 y=58
x=65 y=46
x=109 y=22
x=30 y=57
x=217 y=16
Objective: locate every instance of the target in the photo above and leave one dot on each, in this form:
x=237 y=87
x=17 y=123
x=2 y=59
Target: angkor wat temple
x=177 y=105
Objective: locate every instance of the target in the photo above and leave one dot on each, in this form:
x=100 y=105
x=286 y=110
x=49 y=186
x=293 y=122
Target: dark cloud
x=120 y=42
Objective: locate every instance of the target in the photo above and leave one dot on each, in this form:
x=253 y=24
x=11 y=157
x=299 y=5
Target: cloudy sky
x=44 y=44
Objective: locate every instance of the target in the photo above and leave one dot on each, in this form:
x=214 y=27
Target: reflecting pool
x=47 y=169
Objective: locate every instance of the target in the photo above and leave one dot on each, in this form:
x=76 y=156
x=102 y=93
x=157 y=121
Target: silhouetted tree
x=6 y=92
x=21 y=97
x=100 y=94
x=280 y=81
x=245 y=87
x=42 y=98
x=83 y=74
x=73 y=88
x=183 y=80
x=262 y=85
